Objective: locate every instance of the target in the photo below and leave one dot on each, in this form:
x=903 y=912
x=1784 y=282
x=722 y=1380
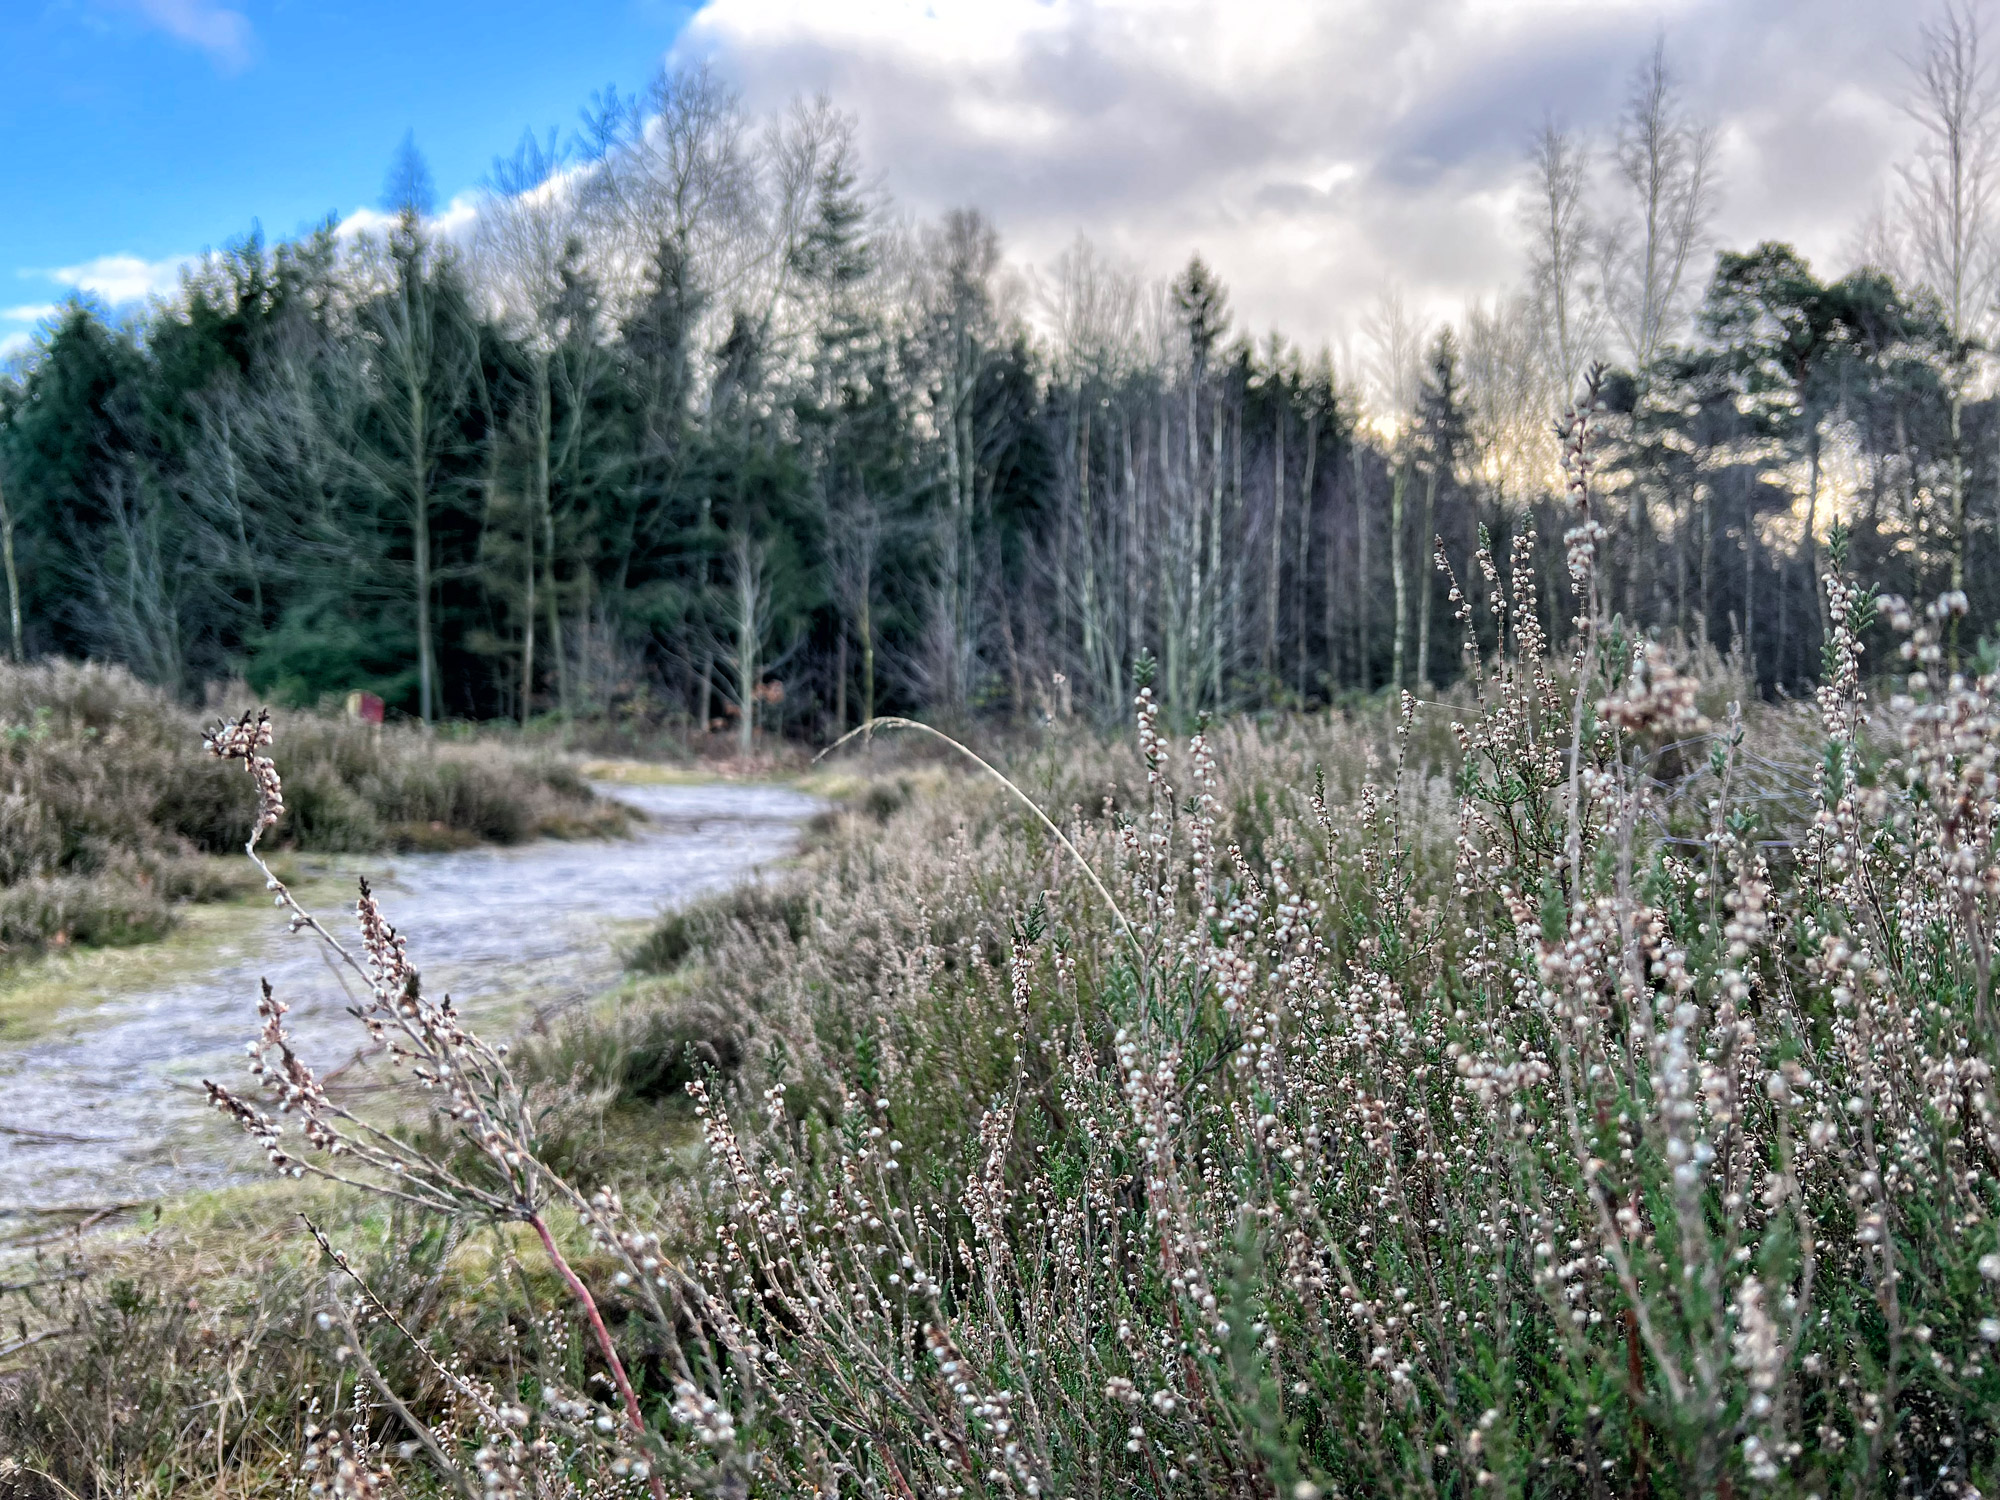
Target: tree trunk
x=1399 y=483
x=1092 y=636
x=1363 y=668
x=749 y=588
x=1216 y=601
x=1958 y=537
x=1302 y=588
x=420 y=516
x=13 y=579
x=866 y=624
x=1812 y=541
x=528 y=621
x=1428 y=567
x=1683 y=527
x=1706 y=562
x=955 y=464
x=1637 y=575
x=840 y=683
x=544 y=429
x=1267 y=664
x=1173 y=612
x=1749 y=587
x=1781 y=657
x=1017 y=689
x=1328 y=564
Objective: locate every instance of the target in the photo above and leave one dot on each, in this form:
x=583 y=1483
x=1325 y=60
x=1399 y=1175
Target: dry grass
x=110 y=816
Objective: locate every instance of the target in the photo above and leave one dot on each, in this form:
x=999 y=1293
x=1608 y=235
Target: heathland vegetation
x=1581 y=1088
x=1575 y=1079
x=110 y=815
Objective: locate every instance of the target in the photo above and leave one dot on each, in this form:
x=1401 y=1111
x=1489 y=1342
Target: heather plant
x=107 y=807
x=1589 y=1113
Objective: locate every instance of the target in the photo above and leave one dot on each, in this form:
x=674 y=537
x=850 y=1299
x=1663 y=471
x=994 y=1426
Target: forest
x=693 y=428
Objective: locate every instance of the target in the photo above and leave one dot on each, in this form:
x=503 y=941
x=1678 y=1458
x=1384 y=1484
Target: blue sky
x=153 y=129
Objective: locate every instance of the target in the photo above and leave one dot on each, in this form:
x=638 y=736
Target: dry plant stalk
x=501 y=1178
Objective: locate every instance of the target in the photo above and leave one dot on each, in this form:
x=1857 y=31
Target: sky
x=1314 y=151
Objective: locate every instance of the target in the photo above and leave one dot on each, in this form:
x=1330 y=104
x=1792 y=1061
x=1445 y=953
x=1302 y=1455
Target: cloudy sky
x=1312 y=150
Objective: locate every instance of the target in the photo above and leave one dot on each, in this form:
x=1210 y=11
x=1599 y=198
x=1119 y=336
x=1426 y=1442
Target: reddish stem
x=589 y=1304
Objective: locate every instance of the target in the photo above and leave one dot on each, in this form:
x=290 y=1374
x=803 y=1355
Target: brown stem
x=589 y=1304
x=1635 y=1376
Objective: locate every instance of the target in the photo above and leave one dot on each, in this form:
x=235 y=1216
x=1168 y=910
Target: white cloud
x=1315 y=152
x=224 y=34
x=32 y=312
x=458 y=217
x=122 y=278
x=364 y=221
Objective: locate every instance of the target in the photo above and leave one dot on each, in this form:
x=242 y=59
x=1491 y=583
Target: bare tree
x=1509 y=452
x=1203 y=306
x=1091 y=308
x=1395 y=350
x=1283 y=367
x=1568 y=302
x=526 y=225
x=794 y=159
x=1666 y=161
x=139 y=578
x=674 y=167
x=1948 y=202
x=960 y=331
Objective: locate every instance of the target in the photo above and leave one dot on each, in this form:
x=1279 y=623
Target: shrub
x=647 y=1052
x=102 y=782
x=101 y=911
x=753 y=910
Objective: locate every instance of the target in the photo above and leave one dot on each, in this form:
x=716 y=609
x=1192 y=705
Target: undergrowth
x=110 y=814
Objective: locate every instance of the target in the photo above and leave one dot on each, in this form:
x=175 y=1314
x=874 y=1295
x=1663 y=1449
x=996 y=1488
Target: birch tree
x=1393 y=337
x=527 y=225
x=1666 y=169
x=1948 y=204
x=1566 y=297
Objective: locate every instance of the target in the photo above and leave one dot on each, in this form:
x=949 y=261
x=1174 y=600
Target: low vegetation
x=110 y=815
x=1596 y=1099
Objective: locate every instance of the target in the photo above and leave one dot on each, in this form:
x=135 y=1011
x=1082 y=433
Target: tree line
x=692 y=428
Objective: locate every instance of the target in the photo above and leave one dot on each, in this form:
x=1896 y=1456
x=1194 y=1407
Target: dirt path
x=107 y=1108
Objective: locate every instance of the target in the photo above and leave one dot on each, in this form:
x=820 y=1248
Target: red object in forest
x=364 y=706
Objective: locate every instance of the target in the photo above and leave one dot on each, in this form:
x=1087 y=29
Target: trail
x=109 y=1108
